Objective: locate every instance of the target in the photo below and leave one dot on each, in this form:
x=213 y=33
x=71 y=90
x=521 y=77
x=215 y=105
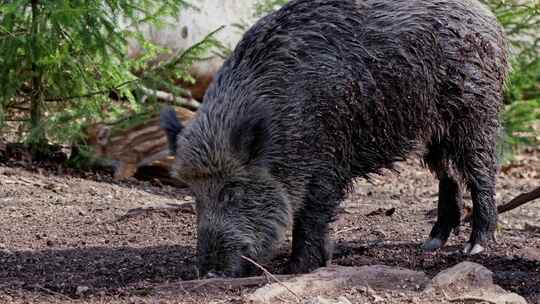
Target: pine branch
x=183 y=55
x=60 y=99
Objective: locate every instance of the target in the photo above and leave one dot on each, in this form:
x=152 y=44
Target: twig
x=30 y=182
x=520 y=200
x=225 y=283
x=12 y=34
x=446 y=297
x=184 y=207
x=17 y=120
x=203 y=283
x=517 y=201
x=271 y=276
x=22 y=181
x=471 y=298
x=53 y=292
x=90 y=94
x=191 y=103
x=17 y=108
x=9 y=182
x=346 y=230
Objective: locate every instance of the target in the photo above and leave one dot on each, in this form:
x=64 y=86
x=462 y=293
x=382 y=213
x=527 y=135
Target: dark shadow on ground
x=122 y=270
x=105 y=270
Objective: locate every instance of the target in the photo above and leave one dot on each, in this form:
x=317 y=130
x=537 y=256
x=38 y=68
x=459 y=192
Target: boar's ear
x=169 y=122
x=249 y=138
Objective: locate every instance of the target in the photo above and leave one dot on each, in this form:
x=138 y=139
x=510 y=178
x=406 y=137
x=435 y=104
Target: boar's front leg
x=311 y=244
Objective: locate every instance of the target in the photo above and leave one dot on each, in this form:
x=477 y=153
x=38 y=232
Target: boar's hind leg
x=450 y=200
x=479 y=167
x=311 y=245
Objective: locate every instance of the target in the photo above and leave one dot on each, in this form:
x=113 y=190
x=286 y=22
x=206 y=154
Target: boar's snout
x=220 y=253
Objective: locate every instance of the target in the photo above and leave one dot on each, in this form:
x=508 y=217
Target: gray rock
x=335 y=278
x=464 y=274
x=469 y=281
x=82 y=290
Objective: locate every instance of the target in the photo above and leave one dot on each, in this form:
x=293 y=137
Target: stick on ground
x=188 y=207
x=215 y=283
x=47 y=290
x=517 y=201
x=272 y=276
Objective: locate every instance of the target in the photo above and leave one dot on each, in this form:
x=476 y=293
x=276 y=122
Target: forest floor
x=62 y=238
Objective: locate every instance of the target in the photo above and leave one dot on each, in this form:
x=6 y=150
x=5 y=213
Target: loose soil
x=61 y=240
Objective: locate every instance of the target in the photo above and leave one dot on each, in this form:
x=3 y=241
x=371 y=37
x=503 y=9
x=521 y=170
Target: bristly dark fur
x=323 y=91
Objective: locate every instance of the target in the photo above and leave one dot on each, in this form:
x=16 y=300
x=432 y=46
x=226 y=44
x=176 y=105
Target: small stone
x=81 y=290
x=378 y=233
x=377 y=299
x=323 y=300
x=343 y=300
x=318 y=300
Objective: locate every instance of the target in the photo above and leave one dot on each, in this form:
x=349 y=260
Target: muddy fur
x=324 y=91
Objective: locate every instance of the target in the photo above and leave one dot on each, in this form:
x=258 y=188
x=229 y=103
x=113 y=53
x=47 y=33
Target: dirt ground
x=61 y=240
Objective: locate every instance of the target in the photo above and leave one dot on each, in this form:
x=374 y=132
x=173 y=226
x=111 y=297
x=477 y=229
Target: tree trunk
x=37 y=139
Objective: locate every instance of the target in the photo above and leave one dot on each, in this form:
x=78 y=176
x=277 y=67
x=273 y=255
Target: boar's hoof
x=214 y=275
x=471 y=249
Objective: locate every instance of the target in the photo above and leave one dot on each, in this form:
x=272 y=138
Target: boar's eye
x=224 y=195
